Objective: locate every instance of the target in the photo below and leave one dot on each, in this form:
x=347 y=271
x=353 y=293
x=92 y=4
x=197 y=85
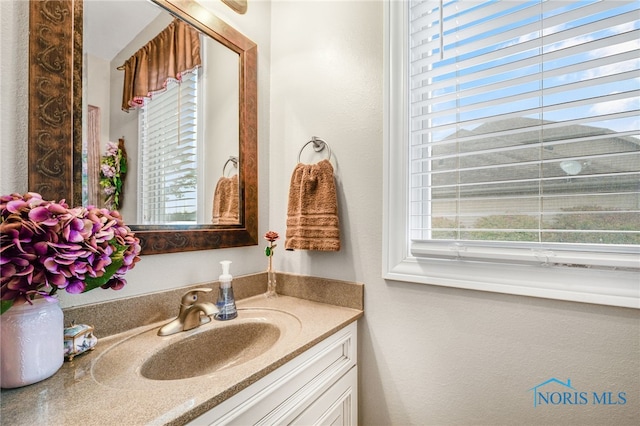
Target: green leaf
x=267 y=251
x=92 y=283
x=117 y=260
x=5 y=305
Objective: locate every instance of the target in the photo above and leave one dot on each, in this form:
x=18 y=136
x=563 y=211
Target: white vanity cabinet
x=318 y=387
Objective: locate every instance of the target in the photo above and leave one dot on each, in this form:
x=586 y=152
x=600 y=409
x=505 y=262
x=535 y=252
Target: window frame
x=614 y=287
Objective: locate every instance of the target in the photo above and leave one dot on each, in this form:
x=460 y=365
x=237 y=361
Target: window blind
x=168 y=135
x=524 y=131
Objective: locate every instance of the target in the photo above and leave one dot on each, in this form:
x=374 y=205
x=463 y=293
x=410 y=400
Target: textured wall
x=14 y=77
x=428 y=355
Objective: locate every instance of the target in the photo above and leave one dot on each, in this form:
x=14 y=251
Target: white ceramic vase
x=32 y=338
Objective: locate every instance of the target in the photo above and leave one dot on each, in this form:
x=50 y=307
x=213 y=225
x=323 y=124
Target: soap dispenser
x=226 y=302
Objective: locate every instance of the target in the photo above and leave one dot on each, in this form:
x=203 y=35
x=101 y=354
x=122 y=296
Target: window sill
x=605 y=287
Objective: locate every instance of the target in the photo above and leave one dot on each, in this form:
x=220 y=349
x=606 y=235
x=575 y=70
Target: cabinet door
x=338 y=406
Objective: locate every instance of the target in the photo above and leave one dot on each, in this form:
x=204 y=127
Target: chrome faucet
x=191 y=314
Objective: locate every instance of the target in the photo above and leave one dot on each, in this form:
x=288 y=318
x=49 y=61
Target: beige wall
x=14 y=77
x=428 y=354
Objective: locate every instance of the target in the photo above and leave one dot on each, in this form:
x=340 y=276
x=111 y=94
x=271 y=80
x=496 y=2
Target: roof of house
x=509 y=151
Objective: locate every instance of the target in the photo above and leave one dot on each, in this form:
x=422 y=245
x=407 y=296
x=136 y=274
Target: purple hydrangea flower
x=46 y=246
x=108 y=170
x=112 y=149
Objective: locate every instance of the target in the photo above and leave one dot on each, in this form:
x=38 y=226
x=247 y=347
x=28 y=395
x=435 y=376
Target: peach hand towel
x=312 y=214
x=225 y=201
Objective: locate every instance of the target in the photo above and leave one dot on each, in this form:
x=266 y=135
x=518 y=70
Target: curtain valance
x=172 y=53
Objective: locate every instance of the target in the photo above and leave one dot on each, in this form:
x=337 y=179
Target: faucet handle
x=190 y=297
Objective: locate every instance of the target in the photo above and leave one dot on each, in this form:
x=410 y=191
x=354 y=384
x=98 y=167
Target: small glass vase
x=271 y=283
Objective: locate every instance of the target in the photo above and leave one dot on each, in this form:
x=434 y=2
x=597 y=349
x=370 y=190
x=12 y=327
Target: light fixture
x=571 y=167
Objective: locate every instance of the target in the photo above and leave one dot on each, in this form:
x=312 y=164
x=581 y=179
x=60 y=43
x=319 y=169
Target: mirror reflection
x=170 y=155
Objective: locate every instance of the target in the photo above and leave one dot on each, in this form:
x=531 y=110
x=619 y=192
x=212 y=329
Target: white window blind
x=168 y=135
x=524 y=131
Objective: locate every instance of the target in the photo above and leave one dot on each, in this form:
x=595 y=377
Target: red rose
x=271 y=236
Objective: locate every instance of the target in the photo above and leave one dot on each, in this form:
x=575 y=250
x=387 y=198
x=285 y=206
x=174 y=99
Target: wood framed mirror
x=55 y=120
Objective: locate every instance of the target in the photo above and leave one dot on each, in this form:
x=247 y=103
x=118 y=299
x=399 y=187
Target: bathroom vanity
x=289 y=360
x=317 y=387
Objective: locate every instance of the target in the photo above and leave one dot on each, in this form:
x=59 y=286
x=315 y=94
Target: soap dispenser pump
x=226 y=302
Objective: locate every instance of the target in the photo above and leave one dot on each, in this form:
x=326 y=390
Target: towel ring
x=233 y=160
x=318 y=145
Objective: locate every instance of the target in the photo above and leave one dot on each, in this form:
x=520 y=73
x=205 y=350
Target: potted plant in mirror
x=45 y=246
x=113 y=168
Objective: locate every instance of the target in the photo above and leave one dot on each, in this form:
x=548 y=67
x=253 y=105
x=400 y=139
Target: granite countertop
x=77 y=395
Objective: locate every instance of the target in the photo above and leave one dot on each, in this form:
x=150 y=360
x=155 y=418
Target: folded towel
x=312 y=215
x=225 y=201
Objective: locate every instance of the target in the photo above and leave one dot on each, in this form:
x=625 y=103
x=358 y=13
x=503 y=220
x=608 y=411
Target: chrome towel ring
x=233 y=160
x=318 y=146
